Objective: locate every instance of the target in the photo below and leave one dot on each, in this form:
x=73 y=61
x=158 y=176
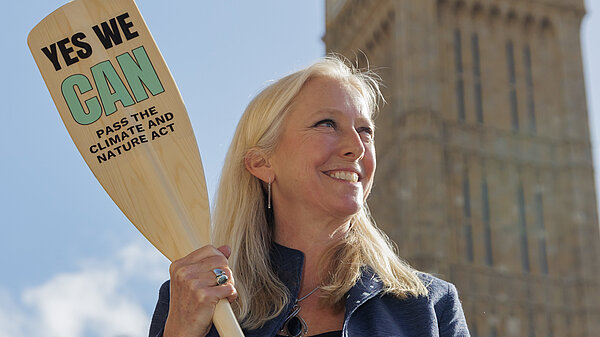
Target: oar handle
x=225 y=320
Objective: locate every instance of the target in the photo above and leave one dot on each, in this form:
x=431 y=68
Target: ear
x=257 y=163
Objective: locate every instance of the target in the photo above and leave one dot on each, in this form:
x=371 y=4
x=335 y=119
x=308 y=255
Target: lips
x=344 y=175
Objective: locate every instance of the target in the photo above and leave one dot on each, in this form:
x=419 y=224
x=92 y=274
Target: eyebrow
x=338 y=112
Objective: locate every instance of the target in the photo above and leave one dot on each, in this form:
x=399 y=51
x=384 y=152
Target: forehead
x=329 y=94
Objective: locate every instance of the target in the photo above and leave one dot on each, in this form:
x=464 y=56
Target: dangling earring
x=269 y=194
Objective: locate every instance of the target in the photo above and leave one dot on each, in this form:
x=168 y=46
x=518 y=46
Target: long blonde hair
x=241 y=218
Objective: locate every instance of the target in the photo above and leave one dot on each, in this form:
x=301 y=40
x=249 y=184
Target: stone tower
x=485 y=173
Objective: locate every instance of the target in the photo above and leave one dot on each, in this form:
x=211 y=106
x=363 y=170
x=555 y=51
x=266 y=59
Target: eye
x=366 y=131
x=326 y=123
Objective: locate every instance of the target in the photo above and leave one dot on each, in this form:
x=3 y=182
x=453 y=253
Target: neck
x=313 y=238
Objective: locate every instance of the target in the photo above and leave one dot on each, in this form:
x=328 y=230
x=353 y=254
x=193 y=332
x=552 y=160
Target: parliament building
x=485 y=175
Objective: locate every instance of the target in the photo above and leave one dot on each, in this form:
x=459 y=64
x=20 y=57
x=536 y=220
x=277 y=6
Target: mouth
x=344 y=175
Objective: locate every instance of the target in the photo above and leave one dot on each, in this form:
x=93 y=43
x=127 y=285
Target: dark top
x=324 y=334
x=369 y=312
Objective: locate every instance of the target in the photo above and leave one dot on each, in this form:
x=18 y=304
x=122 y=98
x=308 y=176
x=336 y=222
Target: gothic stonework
x=485 y=172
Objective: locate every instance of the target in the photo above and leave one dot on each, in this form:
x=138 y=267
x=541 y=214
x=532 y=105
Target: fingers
x=198 y=255
x=191 y=308
x=232 y=297
x=226 y=250
x=202 y=272
x=225 y=291
x=212 y=295
x=199 y=266
x=194 y=289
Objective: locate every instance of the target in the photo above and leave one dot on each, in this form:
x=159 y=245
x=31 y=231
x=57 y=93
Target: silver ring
x=220 y=275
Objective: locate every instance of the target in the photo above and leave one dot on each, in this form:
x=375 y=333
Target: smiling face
x=324 y=161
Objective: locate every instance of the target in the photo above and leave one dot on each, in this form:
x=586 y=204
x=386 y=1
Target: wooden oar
x=125 y=114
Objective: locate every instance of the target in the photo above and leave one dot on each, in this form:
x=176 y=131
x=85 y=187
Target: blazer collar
x=367 y=287
x=287 y=264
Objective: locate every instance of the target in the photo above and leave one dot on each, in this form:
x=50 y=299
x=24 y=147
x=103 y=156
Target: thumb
x=225 y=250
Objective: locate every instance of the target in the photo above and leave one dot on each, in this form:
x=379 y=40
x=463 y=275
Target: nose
x=352 y=146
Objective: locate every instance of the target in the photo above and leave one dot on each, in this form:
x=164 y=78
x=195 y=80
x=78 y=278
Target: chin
x=348 y=209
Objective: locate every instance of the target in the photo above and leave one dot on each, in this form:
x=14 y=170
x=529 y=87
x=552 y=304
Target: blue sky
x=68 y=246
x=72 y=265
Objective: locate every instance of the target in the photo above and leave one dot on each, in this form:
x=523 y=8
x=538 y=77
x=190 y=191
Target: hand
x=195 y=293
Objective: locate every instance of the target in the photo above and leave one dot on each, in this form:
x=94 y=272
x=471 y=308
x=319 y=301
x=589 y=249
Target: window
x=477 y=78
x=531 y=323
x=529 y=83
x=523 y=229
x=460 y=90
x=550 y=328
x=467 y=214
x=487 y=230
x=510 y=59
x=539 y=210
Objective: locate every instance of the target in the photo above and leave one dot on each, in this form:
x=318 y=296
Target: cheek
x=319 y=151
x=370 y=163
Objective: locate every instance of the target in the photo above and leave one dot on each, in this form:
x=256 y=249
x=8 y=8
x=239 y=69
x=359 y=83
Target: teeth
x=348 y=176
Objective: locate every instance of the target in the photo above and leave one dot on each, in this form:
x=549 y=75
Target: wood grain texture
x=102 y=87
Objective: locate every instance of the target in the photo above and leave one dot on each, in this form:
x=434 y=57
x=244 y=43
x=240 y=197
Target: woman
x=291 y=208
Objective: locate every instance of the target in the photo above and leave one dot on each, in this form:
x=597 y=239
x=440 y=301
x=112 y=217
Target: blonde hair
x=241 y=219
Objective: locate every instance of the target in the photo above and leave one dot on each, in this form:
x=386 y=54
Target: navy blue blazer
x=369 y=312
